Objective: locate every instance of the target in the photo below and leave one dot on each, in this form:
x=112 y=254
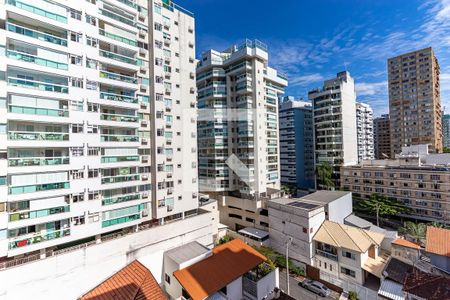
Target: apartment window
x=90 y=41
x=158 y=44
x=91 y=20
x=92 y=129
x=75 y=14
x=167 y=278
x=158 y=61
x=91 y=85
x=76 y=105
x=235 y=216
x=75 y=37
x=80 y=220
x=348 y=272
x=93 y=173
x=93 y=151
x=264 y=224
x=77 y=82
x=77 y=128
x=348 y=255
x=94 y=195
x=76 y=60
x=2 y=180
x=158 y=26
x=78 y=198
x=77 y=151
x=77 y=174
x=157 y=8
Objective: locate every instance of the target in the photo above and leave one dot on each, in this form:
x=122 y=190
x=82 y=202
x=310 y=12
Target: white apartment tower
x=94 y=120
x=334 y=109
x=364 y=127
x=238 y=131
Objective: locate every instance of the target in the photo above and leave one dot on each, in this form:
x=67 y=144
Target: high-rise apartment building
x=94 y=120
x=364 y=128
x=414 y=100
x=296 y=144
x=382 y=137
x=334 y=109
x=238 y=131
x=446 y=130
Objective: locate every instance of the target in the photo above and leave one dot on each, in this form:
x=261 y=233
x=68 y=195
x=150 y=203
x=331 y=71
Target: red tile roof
x=134 y=282
x=227 y=263
x=405 y=243
x=438 y=241
x=427 y=286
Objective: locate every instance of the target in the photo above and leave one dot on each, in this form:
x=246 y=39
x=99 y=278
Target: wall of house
x=74 y=273
x=442 y=262
x=267 y=284
x=405 y=254
x=339 y=209
x=354 y=265
x=234 y=289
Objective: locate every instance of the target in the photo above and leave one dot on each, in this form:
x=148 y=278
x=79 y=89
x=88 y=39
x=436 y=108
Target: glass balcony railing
x=118 y=77
x=117 y=37
x=36 y=60
x=38 y=11
x=38 y=237
x=38 y=136
x=38 y=161
x=38 y=213
x=38 y=111
x=118 y=57
x=118 y=118
x=33 y=84
x=36 y=34
x=14 y=190
x=119 y=138
x=327 y=254
x=118 y=97
x=120 y=178
x=114 y=159
x=117 y=17
x=129 y=3
x=121 y=220
x=121 y=198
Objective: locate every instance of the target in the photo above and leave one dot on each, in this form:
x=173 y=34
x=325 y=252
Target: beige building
x=414 y=100
x=419 y=180
x=382 y=137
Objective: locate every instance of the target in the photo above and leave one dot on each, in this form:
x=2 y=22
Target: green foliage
x=446 y=150
x=279 y=260
x=352 y=295
x=289 y=189
x=381 y=206
x=324 y=174
x=225 y=239
x=417 y=231
x=266 y=268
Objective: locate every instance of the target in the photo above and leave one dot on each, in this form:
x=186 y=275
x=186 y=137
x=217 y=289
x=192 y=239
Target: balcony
x=118 y=77
x=36 y=60
x=119 y=138
x=37 y=85
x=118 y=118
x=38 y=237
x=118 y=57
x=38 y=136
x=38 y=11
x=117 y=37
x=327 y=254
x=38 y=213
x=120 y=178
x=116 y=159
x=14 y=190
x=37 y=34
x=118 y=97
x=121 y=198
x=37 y=161
x=117 y=17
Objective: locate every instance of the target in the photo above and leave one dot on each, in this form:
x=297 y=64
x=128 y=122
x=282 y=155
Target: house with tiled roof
x=420 y=285
x=133 y=282
x=438 y=247
x=406 y=251
x=348 y=253
x=232 y=270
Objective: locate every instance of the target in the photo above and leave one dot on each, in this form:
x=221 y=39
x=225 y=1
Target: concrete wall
x=442 y=262
x=267 y=284
x=70 y=275
x=234 y=289
x=339 y=209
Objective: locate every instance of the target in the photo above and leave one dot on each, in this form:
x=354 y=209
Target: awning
x=257 y=233
x=391 y=290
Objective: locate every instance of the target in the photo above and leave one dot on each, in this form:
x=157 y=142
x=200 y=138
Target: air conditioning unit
x=144 y=195
x=144 y=177
x=145 y=212
x=145 y=158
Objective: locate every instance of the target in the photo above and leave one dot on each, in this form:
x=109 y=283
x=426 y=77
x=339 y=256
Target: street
x=297 y=291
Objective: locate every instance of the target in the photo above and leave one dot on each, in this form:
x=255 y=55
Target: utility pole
x=288 y=242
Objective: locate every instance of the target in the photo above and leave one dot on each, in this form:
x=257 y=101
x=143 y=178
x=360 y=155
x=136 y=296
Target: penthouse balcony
x=50 y=35
x=51 y=11
x=118 y=15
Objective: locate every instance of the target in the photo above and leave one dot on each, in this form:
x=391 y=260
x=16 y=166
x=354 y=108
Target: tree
x=446 y=150
x=381 y=206
x=417 y=231
x=324 y=174
x=288 y=189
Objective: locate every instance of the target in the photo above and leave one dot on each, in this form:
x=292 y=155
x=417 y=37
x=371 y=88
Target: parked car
x=316 y=287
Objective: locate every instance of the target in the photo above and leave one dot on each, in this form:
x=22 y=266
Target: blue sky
x=313 y=40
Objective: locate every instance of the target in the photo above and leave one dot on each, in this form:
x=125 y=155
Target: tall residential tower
x=382 y=137
x=238 y=131
x=414 y=100
x=364 y=128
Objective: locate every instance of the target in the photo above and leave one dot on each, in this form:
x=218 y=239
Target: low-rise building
x=419 y=180
x=420 y=285
x=300 y=219
x=438 y=247
x=348 y=253
x=232 y=270
x=394 y=275
x=406 y=251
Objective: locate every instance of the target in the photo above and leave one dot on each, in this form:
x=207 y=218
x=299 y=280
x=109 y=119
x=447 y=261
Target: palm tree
x=381 y=206
x=417 y=231
x=324 y=175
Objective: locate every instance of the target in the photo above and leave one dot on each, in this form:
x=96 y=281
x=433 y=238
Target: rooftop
x=396 y=270
x=325 y=197
x=233 y=259
x=349 y=237
x=427 y=286
x=134 y=282
x=406 y=243
x=186 y=252
x=438 y=241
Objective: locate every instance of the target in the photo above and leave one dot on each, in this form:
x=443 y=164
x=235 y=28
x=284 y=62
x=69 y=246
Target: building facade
x=364 y=129
x=414 y=100
x=296 y=144
x=238 y=130
x=382 y=137
x=420 y=182
x=446 y=130
x=93 y=118
x=334 y=110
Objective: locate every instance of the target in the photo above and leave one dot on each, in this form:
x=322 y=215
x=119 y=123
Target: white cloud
x=305 y=80
x=371 y=89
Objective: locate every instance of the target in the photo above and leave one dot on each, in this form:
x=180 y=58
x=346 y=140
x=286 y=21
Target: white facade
x=94 y=104
x=364 y=126
x=237 y=101
x=334 y=108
